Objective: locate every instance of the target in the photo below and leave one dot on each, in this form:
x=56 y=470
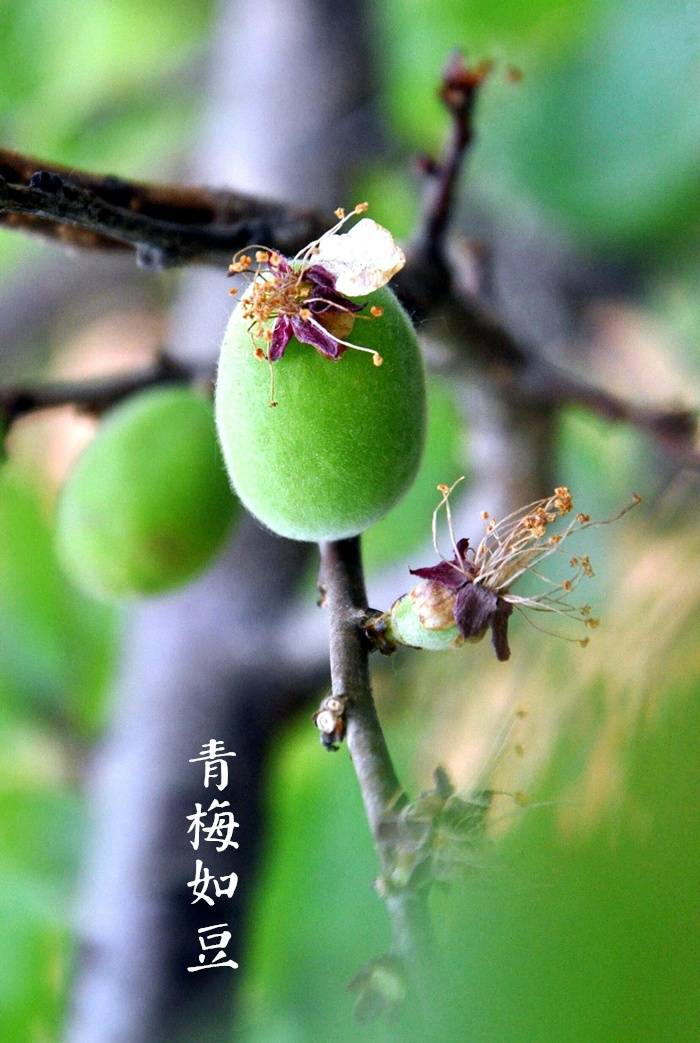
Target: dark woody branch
x=458 y=91
x=95 y=396
x=674 y=430
x=425 y=281
x=522 y=371
x=432 y=278
x=535 y=382
x=346 y=599
x=166 y=225
x=171 y=225
x=343 y=583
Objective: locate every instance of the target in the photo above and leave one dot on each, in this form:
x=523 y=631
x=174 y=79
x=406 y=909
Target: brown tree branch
x=458 y=91
x=95 y=396
x=523 y=370
x=673 y=428
x=433 y=278
x=425 y=281
x=170 y=225
x=166 y=225
x=345 y=596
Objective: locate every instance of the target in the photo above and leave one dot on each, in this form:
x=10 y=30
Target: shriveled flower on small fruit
x=310 y=295
x=474 y=586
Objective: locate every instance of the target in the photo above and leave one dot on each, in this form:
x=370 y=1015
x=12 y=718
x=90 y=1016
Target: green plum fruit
x=424 y=618
x=344 y=441
x=147 y=503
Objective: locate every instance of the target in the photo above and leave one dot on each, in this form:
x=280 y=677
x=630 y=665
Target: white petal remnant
x=362 y=260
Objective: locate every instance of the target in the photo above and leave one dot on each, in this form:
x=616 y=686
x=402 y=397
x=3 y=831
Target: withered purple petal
x=320 y=276
x=281 y=335
x=451 y=574
x=499 y=629
x=474 y=609
x=308 y=333
x=331 y=300
x=462 y=548
x=445 y=572
x=324 y=288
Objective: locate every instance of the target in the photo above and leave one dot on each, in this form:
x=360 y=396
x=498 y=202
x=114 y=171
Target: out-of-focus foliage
x=587 y=930
x=578 y=917
x=56 y=650
x=40 y=835
x=601 y=135
x=407 y=526
x=105 y=85
x=56 y=656
x=97 y=83
x=579 y=920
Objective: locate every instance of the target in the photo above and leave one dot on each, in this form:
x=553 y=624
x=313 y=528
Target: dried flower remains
x=310 y=295
x=479 y=580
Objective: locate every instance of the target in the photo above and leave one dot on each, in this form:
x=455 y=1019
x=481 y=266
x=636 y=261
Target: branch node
x=47 y=181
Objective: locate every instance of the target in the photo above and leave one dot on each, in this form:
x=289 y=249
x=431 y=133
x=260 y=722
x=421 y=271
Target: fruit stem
x=342 y=577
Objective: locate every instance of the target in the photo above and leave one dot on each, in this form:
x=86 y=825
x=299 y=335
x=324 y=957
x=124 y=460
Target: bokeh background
x=579 y=915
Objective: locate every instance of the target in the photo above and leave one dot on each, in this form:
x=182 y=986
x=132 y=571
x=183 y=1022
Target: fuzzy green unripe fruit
x=424 y=618
x=345 y=440
x=147 y=504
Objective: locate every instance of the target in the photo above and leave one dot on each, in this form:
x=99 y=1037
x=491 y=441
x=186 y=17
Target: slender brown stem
x=382 y=794
x=459 y=91
x=522 y=369
x=165 y=225
x=425 y=281
x=95 y=396
x=346 y=598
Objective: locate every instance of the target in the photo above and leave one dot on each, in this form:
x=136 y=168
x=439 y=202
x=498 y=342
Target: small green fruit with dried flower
x=338 y=440
x=343 y=443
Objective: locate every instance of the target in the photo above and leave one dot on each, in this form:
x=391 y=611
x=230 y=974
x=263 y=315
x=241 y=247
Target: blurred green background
x=579 y=919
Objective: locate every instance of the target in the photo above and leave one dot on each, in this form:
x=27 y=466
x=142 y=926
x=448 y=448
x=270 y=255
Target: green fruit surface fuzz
x=345 y=440
x=147 y=504
x=406 y=625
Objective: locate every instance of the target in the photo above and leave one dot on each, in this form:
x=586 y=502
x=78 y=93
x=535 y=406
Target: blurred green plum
x=147 y=504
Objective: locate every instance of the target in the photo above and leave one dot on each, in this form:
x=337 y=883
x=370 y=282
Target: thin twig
x=433 y=278
x=382 y=794
x=673 y=429
x=459 y=91
x=172 y=225
x=166 y=225
x=95 y=396
x=425 y=281
x=523 y=371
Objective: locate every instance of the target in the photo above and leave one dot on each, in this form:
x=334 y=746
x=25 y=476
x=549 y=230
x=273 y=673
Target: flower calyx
x=310 y=296
x=462 y=597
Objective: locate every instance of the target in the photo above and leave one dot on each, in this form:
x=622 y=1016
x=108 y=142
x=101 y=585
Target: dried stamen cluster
x=472 y=591
x=310 y=295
